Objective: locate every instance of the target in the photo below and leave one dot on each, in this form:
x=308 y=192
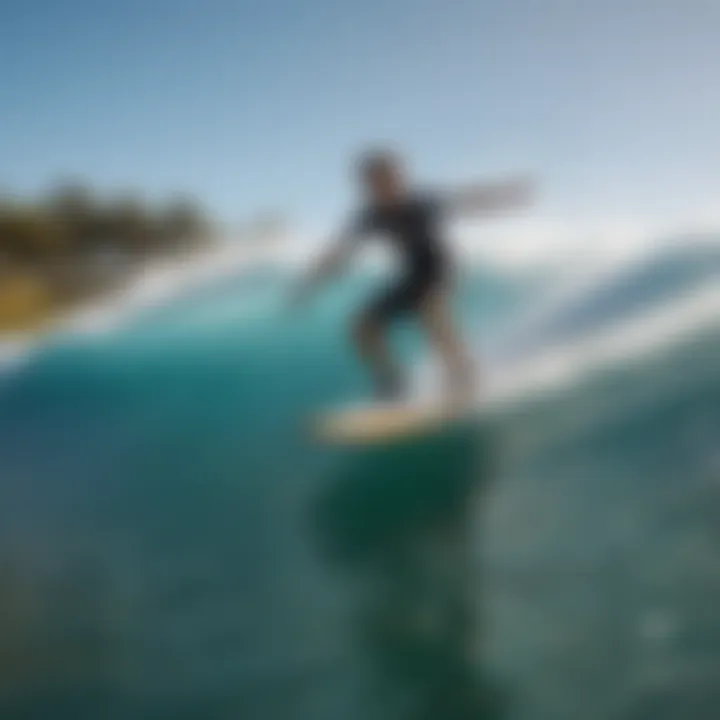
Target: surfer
x=412 y=221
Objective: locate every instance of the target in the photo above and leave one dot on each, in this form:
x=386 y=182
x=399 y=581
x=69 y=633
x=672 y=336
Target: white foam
x=159 y=283
x=14 y=352
x=630 y=341
x=154 y=284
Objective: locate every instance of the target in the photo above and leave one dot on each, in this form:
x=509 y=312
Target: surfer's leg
x=370 y=336
x=436 y=318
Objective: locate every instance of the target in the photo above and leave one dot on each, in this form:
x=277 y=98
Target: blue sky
x=615 y=105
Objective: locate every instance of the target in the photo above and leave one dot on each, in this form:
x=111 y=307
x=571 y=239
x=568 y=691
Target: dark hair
x=376 y=160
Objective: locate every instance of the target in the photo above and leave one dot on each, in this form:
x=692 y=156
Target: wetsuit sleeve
x=480 y=199
x=436 y=205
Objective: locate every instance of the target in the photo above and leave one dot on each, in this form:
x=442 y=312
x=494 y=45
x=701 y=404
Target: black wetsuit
x=413 y=227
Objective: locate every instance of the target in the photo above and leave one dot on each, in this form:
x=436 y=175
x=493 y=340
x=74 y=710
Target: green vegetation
x=71 y=245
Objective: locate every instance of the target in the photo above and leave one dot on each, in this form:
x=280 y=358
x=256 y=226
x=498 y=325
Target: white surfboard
x=382 y=422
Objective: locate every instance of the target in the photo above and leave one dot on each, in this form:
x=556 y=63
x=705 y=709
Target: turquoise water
x=172 y=544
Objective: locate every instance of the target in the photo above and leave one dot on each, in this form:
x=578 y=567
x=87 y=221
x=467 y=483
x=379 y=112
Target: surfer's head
x=382 y=176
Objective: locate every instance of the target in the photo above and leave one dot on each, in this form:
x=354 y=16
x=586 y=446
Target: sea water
x=174 y=544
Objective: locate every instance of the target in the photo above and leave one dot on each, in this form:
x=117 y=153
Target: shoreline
x=155 y=281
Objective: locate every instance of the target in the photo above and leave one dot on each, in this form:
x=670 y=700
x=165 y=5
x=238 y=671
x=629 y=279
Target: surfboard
x=382 y=422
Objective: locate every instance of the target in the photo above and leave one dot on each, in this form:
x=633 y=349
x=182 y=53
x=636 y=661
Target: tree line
x=73 y=222
x=70 y=245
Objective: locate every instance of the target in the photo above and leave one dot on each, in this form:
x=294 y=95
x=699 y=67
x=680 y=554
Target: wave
x=611 y=318
x=581 y=314
x=635 y=340
x=593 y=301
x=157 y=284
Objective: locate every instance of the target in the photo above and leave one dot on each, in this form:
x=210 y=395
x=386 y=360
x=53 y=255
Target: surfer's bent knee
x=366 y=331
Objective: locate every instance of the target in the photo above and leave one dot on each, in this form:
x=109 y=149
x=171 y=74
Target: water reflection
x=397 y=522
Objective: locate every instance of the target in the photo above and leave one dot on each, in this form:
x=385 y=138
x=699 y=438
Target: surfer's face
x=383 y=181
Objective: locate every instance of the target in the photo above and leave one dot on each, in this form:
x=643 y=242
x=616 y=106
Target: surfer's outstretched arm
x=329 y=263
x=486 y=198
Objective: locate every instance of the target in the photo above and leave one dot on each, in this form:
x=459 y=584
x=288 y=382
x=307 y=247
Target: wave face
x=172 y=545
